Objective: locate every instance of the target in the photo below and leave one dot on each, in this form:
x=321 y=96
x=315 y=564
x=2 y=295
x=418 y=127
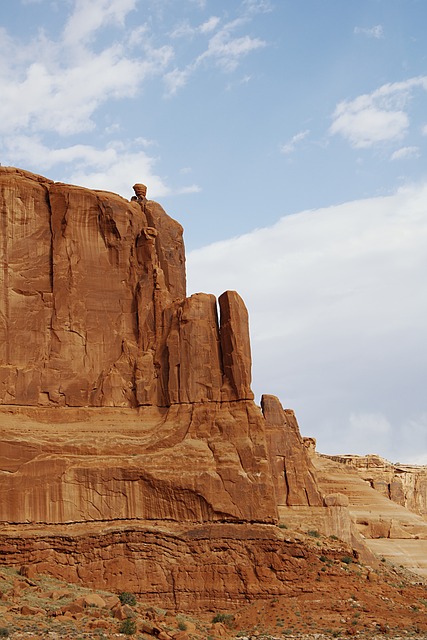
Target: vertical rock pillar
x=235 y=347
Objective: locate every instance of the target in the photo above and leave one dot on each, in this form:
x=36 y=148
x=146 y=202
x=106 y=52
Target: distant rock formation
x=404 y=484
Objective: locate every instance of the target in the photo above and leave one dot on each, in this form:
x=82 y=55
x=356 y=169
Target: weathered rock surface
x=389 y=530
x=293 y=473
x=402 y=483
x=198 y=462
x=132 y=454
x=93 y=309
x=122 y=400
x=184 y=568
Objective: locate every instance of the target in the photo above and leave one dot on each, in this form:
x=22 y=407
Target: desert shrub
x=128 y=627
x=323 y=559
x=347 y=559
x=182 y=626
x=225 y=618
x=4 y=632
x=127 y=598
x=282 y=525
x=313 y=533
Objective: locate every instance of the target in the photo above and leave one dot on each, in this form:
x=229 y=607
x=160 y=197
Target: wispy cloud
x=289 y=147
x=227 y=51
x=406 y=153
x=258 y=6
x=378 y=117
x=67 y=79
x=186 y=30
x=224 y=49
x=371 y=32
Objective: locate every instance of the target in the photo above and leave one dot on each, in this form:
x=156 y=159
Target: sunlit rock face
x=127 y=407
x=94 y=309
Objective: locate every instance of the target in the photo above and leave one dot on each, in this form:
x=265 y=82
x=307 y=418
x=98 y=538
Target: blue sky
x=289 y=139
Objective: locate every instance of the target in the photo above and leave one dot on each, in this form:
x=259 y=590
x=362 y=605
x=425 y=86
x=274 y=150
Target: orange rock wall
x=126 y=408
x=93 y=309
x=209 y=568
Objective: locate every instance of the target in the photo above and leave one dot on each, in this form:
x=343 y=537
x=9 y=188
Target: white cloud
x=289 y=147
x=67 y=87
x=258 y=6
x=201 y=4
x=337 y=306
x=209 y=25
x=377 y=117
x=226 y=50
x=185 y=30
x=175 y=80
x=88 y=17
x=405 y=153
x=113 y=168
x=372 y=32
x=424 y=130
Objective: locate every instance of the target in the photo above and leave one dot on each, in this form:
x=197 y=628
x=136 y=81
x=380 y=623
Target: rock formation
x=402 y=483
x=123 y=401
x=132 y=454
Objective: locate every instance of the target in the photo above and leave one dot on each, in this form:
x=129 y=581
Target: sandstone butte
x=132 y=454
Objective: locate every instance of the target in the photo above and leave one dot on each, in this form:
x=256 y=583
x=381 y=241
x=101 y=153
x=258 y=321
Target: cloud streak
x=378 y=117
x=290 y=146
x=376 y=32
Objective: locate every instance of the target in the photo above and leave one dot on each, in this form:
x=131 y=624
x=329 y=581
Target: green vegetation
x=127 y=598
x=347 y=559
x=4 y=632
x=128 y=627
x=224 y=618
x=313 y=533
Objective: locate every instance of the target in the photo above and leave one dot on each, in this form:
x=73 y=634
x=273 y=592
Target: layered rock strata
x=402 y=483
x=127 y=406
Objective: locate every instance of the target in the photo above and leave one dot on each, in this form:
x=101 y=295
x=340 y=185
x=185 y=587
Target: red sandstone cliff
x=93 y=307
x=126 y=406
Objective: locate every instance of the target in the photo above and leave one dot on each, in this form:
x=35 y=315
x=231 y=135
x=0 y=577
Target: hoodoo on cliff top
x=132 y=453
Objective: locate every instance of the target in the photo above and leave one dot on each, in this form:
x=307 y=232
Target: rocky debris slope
x=328 y=594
